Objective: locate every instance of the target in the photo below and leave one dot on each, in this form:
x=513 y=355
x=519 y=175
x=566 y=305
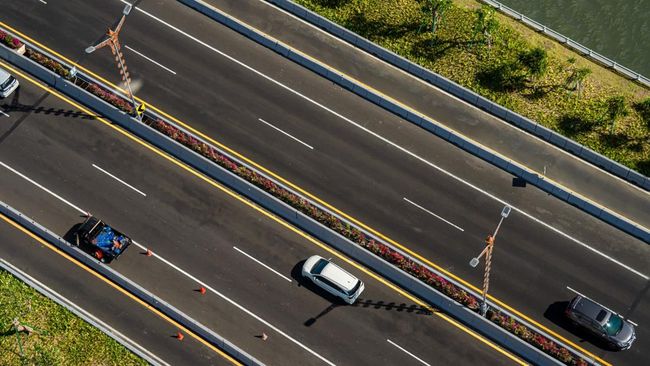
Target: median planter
x=379 y=249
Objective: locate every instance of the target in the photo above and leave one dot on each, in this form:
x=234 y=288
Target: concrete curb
x=439 y=130
x=83 y=314
x=458 y=91
x=200 y=163
x=130 y=286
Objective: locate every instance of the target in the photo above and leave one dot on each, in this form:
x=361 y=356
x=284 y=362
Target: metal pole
x=125 y=76
x=486 y=275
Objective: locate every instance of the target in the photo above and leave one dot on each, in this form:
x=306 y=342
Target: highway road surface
x=56 y=163
x=407 y=185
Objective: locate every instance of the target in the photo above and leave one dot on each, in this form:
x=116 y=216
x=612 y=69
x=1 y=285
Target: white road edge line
x=438 y=89
x=2 y=112
x=119 y=180
x=41 y=187
x=278 y=129
x=385 y=140
x=267 y=267
x=150 y=59
x=43 y=2
x=431 y=213
x=84 y=313
x=407 y=352
x=240 y=307
x=232 y=302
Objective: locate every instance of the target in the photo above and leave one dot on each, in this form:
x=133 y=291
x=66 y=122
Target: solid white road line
x=232 y=302
x=396 y=146
x=431 y=213
x=277 y=129
x=150 y=59
x=43 y=2
x=120 y=180
x=185 y=273
x=89 y=317
x=426 y=83
x=262 y=264
x=3 y=113
x=41 y=187
x=407 y=352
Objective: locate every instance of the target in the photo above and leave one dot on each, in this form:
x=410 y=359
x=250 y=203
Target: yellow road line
x=269 y=215
x=120 y=289
x=306 y=193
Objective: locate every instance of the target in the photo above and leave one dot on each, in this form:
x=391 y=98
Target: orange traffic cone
x=202 y=290
x=149 y=253
x=179 y=336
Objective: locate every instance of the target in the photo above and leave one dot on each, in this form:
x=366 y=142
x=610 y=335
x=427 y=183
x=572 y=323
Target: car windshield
x=7 y=82
x=613 y=325
x=318 y=267
x=354 y=289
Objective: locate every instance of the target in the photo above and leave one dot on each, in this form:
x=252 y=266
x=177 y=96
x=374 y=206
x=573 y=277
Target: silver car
x=604 y=323
x=8 y=83
x=332 y=278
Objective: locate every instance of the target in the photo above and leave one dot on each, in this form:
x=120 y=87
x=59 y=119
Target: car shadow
x=402 y=307
x=555 y=313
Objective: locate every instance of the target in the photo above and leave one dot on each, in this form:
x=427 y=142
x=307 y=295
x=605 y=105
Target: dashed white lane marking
x=42 y=1
x=262 y=264
x=407 y=352
x=119 y=180
x=4 y=114
x=391 y=143
x=41 y=187
x=240 y=307
x=286 y=133
x=232 y=302
x=431 y=213
x=150 y=59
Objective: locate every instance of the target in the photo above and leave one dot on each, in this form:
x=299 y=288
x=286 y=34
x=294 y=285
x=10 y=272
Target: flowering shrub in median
x=382 y=250
x=47 y=62
x=535 y=339
x=9 y=41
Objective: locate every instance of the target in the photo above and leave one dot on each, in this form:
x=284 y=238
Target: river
x=617 y=29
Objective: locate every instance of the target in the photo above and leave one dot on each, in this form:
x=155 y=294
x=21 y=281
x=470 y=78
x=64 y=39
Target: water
x=617 y=29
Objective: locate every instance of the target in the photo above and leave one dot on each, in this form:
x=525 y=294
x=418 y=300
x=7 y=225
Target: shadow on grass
x=379 y=29
x=435 y=48
x=572 y=125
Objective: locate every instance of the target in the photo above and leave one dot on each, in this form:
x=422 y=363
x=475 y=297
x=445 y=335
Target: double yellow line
x=306 y=193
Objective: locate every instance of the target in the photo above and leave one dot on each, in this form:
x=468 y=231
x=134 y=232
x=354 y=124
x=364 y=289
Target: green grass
x=455 y=53
x=62 y=338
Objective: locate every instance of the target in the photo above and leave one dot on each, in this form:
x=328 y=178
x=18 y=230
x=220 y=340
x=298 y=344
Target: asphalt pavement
x=55 y=165
x=103 y=301
x=411 y=187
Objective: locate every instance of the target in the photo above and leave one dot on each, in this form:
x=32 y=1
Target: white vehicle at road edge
x=332 y=278
x=8 y=83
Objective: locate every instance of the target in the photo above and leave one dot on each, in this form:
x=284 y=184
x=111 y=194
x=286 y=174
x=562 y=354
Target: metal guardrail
x=585 y=51
x=151 y=358
x=361 y=255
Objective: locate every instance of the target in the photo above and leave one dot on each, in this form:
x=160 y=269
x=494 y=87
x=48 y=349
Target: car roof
x=4 y=75
x=591 y=309
x=339 y=276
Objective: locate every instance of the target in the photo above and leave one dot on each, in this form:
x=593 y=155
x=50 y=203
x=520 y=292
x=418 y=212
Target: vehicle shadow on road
x=555 y=313
x=403 y=307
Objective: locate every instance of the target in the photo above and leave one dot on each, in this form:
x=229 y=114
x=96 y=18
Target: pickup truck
x=100 y=240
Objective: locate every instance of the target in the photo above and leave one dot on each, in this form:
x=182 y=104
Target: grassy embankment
x=61 y=338
x=552 y=98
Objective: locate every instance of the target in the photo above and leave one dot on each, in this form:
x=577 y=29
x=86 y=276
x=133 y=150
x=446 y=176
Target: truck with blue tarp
x=101 y=240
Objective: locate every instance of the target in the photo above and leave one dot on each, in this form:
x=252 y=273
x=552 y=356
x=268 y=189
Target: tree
x=577 y=77
x=486 y=24
x=535 y=61
x=434 y=11
x=616 y=108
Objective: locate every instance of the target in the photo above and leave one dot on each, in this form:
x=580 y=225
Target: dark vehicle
x=604 y=323
x=100 y=240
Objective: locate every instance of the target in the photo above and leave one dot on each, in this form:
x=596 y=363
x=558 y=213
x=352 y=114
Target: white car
x=8 y=84
x=332 y=278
